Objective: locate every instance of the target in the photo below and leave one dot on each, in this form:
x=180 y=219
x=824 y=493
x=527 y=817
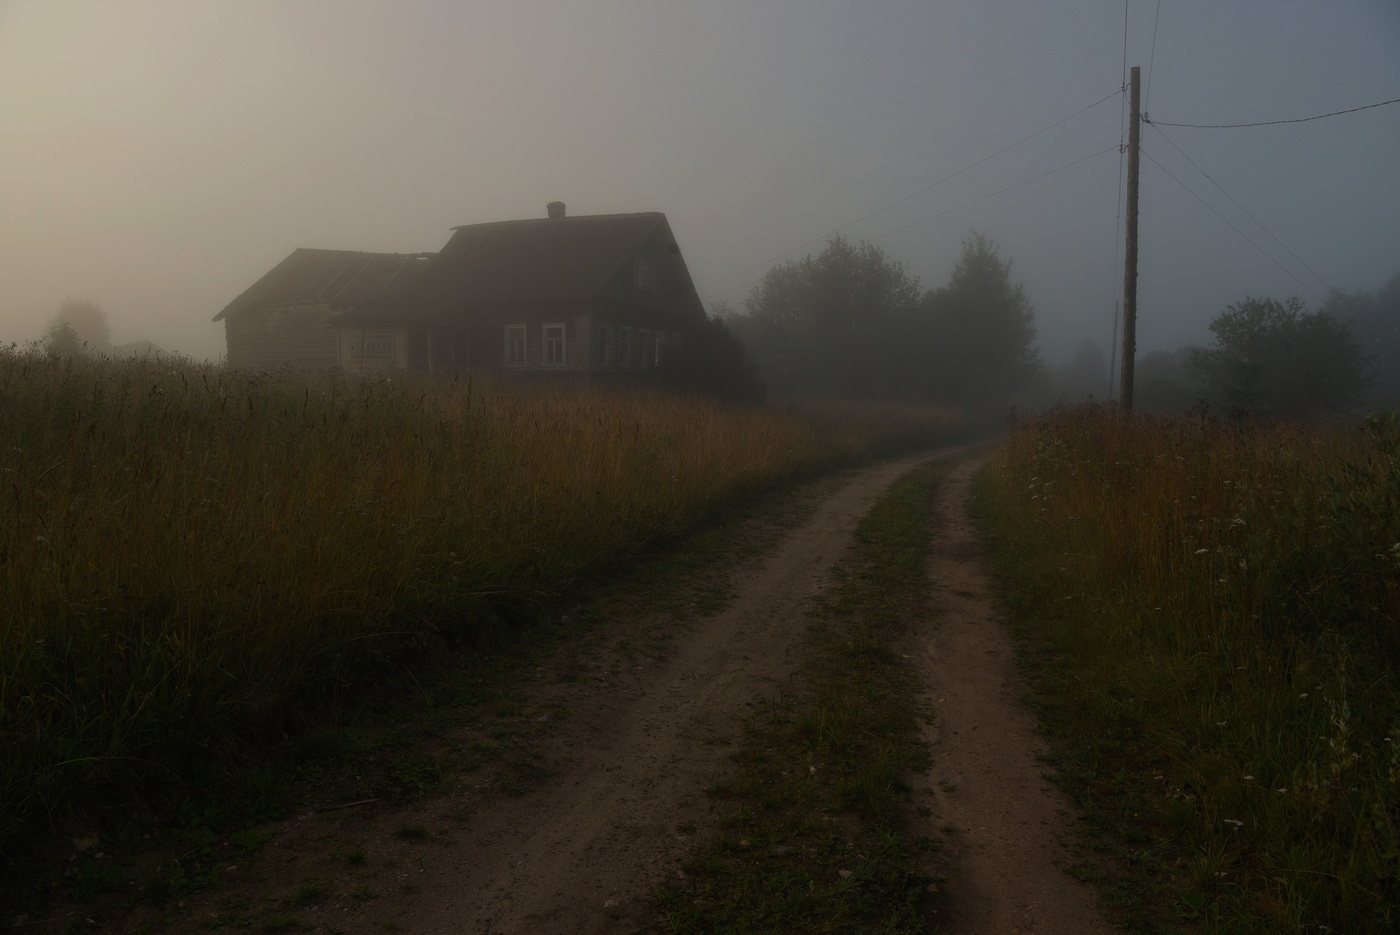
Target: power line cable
x=1268 y=123
x=1125 y=43
x=1152 y=58
x=1232 y=227
x=1118 y=211
x=1246 y=211
x=914 y=194
x=1117 y=240
x=995 y=193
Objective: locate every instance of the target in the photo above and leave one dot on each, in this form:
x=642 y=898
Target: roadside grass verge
x=195 y=560
x=813 y=832
x=432 y=744
x=1210 y=613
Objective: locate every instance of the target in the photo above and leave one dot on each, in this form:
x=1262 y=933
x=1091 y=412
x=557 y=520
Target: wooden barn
x=600 y=296
x=283 y=319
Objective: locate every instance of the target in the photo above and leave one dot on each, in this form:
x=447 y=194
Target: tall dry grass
x=1223 y=601
x=187 y=554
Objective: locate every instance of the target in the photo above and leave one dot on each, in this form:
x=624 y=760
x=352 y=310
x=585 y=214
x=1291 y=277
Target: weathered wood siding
x=267 y=339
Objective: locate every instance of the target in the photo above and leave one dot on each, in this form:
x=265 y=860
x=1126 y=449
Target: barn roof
x=331 y=277
x=532 y=260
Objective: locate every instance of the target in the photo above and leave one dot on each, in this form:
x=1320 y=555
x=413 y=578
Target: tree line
x=1268 y=358
x=851 y=322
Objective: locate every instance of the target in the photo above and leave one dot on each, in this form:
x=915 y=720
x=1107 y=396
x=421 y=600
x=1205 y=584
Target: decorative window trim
x=372 y=346
x=510 y=359
x=551 y=332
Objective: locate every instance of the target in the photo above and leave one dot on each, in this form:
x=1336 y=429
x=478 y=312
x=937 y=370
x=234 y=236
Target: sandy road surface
x=585 y=851
x=1001 y=822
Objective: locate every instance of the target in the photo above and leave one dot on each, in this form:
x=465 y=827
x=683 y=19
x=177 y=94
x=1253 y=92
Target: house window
x=554 y=345
x=371 y=347
x=605 y=347
x=644 y=273
x=624 y=347
x=660 y=347
x=647 y=349
x=515 y=346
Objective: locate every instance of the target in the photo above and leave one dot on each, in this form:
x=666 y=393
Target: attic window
x=644 y=273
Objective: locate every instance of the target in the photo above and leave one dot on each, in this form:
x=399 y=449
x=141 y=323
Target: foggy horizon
x=160 y=157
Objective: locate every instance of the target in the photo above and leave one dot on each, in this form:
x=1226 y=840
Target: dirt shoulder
x=1002 y=823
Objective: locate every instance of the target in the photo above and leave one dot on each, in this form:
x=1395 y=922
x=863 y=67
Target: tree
x=61 y=339
x=1275 y=359
x=86 y=322
x=983 y=329
x=1085 y=376
x=828 y=324
x=1375 y=321
x=1163 y=382
x=712 y=361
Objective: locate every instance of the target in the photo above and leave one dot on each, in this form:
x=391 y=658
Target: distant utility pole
x=1125 y=386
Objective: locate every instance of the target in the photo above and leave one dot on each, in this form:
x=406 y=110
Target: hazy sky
x=158 y=156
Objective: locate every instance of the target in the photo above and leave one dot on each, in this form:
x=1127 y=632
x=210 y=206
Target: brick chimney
x=555 y=209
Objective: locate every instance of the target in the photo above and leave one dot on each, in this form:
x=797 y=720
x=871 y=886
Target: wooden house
x=283 y=318
x=600 y=297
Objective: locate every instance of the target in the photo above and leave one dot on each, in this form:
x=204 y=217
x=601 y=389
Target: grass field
x=191 y=557
x=1212 y=616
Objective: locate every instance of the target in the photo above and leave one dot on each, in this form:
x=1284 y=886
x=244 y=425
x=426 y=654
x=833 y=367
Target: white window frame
x=605 y=346
x=523 y=333
x=554 y=337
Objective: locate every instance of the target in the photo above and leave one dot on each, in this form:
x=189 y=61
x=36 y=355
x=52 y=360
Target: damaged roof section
x=334 y=278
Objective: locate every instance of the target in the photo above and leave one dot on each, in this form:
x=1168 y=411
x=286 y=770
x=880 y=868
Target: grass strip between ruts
x=813 y=832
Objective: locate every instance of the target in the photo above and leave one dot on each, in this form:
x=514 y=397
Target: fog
x=158 y=156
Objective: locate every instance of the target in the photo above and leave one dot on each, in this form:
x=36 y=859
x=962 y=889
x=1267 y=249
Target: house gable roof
x=534 y=260
x=329 y=277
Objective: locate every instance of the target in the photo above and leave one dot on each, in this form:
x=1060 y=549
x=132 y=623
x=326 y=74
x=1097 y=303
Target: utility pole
x=1125 y=387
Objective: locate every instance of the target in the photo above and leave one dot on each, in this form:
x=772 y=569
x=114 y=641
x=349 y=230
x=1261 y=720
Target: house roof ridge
x=568 y=219
x=393 y=253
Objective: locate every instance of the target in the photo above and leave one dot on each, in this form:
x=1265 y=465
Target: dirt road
x=1001 y=823
x=624 y=802
x=583 y=854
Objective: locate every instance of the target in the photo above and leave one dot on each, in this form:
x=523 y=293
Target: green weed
x=1212 y=616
